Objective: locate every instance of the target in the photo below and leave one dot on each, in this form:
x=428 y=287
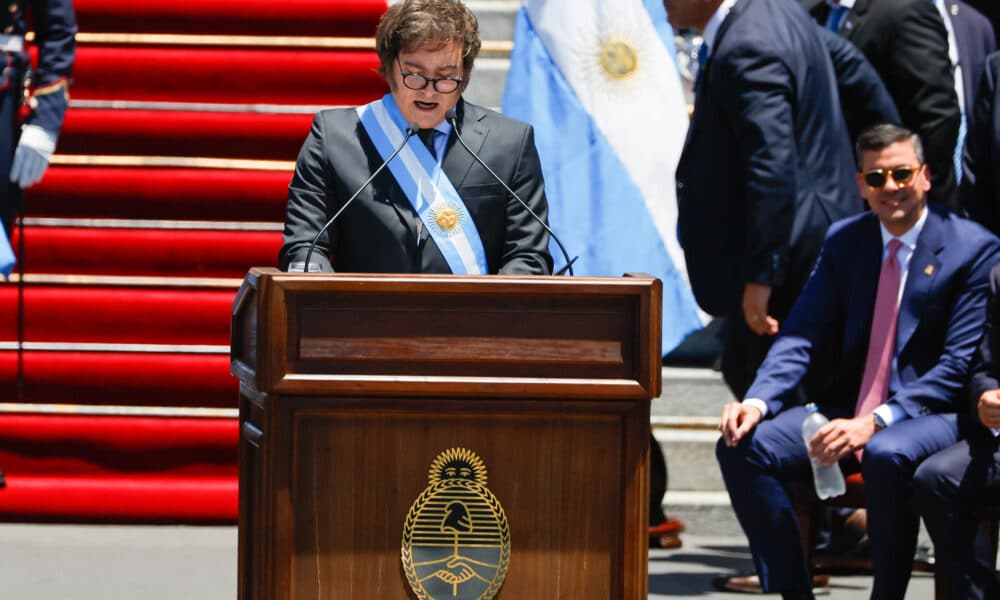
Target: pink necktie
x=878 y=365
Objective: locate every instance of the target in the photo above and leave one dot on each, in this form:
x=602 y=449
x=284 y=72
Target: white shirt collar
x=909 y=238
x=848 y=4
x=712 y=28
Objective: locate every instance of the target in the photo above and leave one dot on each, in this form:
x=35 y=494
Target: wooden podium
x=351 y=385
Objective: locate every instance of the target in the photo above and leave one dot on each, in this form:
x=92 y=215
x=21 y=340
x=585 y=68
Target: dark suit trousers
x=943 y=485
x=774 y=453
x=657 y=482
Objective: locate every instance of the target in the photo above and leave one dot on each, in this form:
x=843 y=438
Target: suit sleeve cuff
x=758 y=404
x=890 y=412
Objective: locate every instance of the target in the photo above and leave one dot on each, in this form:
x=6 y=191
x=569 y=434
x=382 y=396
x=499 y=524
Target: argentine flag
x=598 y=81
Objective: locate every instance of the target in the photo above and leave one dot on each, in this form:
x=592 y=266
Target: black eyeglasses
x=877 y=178
x=416 y=81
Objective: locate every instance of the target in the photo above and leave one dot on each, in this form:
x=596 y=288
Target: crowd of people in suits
x=874 y=311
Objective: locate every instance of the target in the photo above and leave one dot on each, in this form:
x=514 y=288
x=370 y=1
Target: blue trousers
x=945 y=486
x=756 y=471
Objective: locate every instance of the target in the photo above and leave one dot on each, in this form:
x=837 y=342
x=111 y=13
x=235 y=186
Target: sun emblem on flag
x=619 y=59
x=446 y=219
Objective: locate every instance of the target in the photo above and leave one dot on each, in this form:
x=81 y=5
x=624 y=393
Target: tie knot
x=894 y=246
x=427 y=137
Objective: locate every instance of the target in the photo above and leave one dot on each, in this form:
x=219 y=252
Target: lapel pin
x=929 y=270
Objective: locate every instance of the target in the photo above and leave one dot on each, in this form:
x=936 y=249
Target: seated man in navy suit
x=949 y=483
x=897 y=300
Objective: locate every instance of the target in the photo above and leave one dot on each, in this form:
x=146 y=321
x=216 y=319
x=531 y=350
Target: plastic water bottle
x=829 y=480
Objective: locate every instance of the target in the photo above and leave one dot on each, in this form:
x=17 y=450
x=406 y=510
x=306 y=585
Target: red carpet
x=118 y=315
x=121 y=499
x=118 y=468
x=184 y=133
x=135 y=252
x=356 y=18
x=255 y=76
x=158 y=193
x=123 y=379
x=247 y=100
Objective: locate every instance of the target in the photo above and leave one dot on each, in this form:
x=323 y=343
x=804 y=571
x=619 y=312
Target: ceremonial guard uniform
x=39 y=93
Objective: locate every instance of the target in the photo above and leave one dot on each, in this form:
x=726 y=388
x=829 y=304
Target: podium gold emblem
x=456 y=539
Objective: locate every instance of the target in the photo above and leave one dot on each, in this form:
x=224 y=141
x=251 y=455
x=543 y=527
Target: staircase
x=169 y=183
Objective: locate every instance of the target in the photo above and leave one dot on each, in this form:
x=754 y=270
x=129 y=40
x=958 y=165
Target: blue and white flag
x=598 y=81
x=6 y=254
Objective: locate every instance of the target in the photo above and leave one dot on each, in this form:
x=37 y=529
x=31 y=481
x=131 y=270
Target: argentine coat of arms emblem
x=456 y=539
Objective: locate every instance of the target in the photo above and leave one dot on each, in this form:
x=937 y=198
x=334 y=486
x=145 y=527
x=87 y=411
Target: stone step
x=691 y=392
x=496 y=18
x=690 y=455
x=704 y=513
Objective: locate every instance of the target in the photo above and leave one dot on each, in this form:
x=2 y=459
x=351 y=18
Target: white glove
x=32 y=156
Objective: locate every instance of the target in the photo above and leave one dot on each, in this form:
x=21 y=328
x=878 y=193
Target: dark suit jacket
x=907 y=43
x=863 y=96
x=991 y=10
x=980 y=194
x=767 y=163
x=986 y=368
x=975 y=40
x=381 y=233
x=941 y=315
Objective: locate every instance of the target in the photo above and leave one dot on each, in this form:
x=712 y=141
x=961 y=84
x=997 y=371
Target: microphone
x=452 y=117
x=411 y=130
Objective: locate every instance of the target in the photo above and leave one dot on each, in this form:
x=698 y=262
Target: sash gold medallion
x=456 y=539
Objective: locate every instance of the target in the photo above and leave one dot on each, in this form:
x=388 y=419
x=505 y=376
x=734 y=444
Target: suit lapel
x=923 y=270
x=702 y=81
x=457 y=162
x=866 y=273
x=738 y=9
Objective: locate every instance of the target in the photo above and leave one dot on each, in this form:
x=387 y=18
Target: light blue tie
x=959 y=148
x=836 y=18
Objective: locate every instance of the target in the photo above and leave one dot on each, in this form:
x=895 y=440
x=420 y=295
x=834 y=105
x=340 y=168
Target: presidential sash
x=426 y=186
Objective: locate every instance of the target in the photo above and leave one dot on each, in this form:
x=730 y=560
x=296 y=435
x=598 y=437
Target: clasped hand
x=839 y=437
x=989 y=409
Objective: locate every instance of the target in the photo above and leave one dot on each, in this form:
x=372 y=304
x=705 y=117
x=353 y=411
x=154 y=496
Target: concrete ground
x=70 y=562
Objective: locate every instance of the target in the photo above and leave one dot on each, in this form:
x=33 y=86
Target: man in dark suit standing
x=434 y=209
x=765 y=169
x=898 y=299
x=974 y=40
x=907 y=43
x=947 y=484
x=980 y=192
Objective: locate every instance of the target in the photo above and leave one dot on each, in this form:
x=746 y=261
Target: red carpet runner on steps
x=169 y=182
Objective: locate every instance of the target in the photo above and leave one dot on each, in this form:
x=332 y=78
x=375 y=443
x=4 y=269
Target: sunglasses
x=877 y=178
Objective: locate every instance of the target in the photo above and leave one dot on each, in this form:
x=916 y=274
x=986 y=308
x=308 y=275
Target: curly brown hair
x=414 y=24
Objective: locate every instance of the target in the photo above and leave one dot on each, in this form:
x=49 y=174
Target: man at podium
x=431 y=206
